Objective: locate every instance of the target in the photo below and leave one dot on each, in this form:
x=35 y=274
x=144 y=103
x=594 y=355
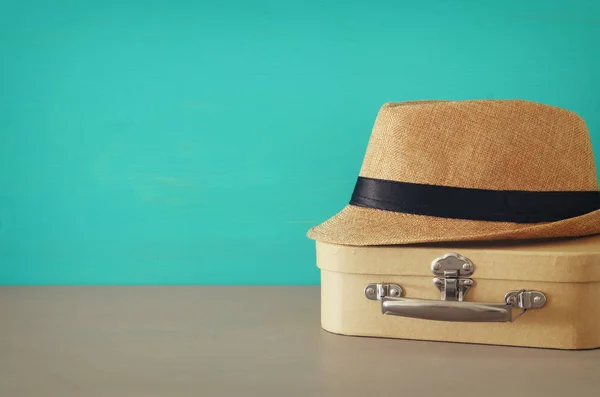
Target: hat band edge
x=516 y=206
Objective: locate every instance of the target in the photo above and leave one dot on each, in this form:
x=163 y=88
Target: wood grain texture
x=244 y=341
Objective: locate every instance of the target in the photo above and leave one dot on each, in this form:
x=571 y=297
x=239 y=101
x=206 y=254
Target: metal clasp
x=524 y=299
x=452 y=271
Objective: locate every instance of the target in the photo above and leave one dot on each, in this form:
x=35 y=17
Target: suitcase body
x=536 y=294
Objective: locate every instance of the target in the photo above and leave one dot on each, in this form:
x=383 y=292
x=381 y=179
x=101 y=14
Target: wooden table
x=245 y=341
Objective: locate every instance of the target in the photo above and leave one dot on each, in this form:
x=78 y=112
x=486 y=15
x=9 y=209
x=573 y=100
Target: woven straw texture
x=485 y=144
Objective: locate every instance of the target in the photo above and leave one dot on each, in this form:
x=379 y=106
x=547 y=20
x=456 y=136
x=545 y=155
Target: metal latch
x=452 y=273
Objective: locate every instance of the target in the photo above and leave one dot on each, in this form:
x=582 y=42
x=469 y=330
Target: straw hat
x=470 y=170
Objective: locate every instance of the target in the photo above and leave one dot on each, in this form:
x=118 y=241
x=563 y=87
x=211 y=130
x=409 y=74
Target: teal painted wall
x=195 y=142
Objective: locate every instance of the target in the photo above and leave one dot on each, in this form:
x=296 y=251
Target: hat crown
x=483 y=144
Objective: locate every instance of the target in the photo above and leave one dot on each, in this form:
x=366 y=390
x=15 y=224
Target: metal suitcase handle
x=443 y=310
x=452 y=271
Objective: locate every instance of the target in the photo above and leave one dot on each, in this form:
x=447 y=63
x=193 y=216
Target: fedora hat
x=438 y=171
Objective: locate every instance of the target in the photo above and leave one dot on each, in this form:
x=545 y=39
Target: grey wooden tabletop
x=245 y=341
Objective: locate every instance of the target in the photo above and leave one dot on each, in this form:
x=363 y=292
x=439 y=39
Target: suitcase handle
x=443 y=310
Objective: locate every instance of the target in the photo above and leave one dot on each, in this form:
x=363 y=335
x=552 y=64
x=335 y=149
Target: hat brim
x=365 y=226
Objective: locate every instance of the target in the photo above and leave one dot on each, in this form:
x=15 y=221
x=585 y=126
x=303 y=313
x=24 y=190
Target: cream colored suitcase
x=538 y=294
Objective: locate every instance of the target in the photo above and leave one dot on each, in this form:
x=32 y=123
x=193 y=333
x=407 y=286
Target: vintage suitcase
x=539 y=294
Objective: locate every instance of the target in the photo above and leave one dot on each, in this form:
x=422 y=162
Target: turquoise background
x=146 y=142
